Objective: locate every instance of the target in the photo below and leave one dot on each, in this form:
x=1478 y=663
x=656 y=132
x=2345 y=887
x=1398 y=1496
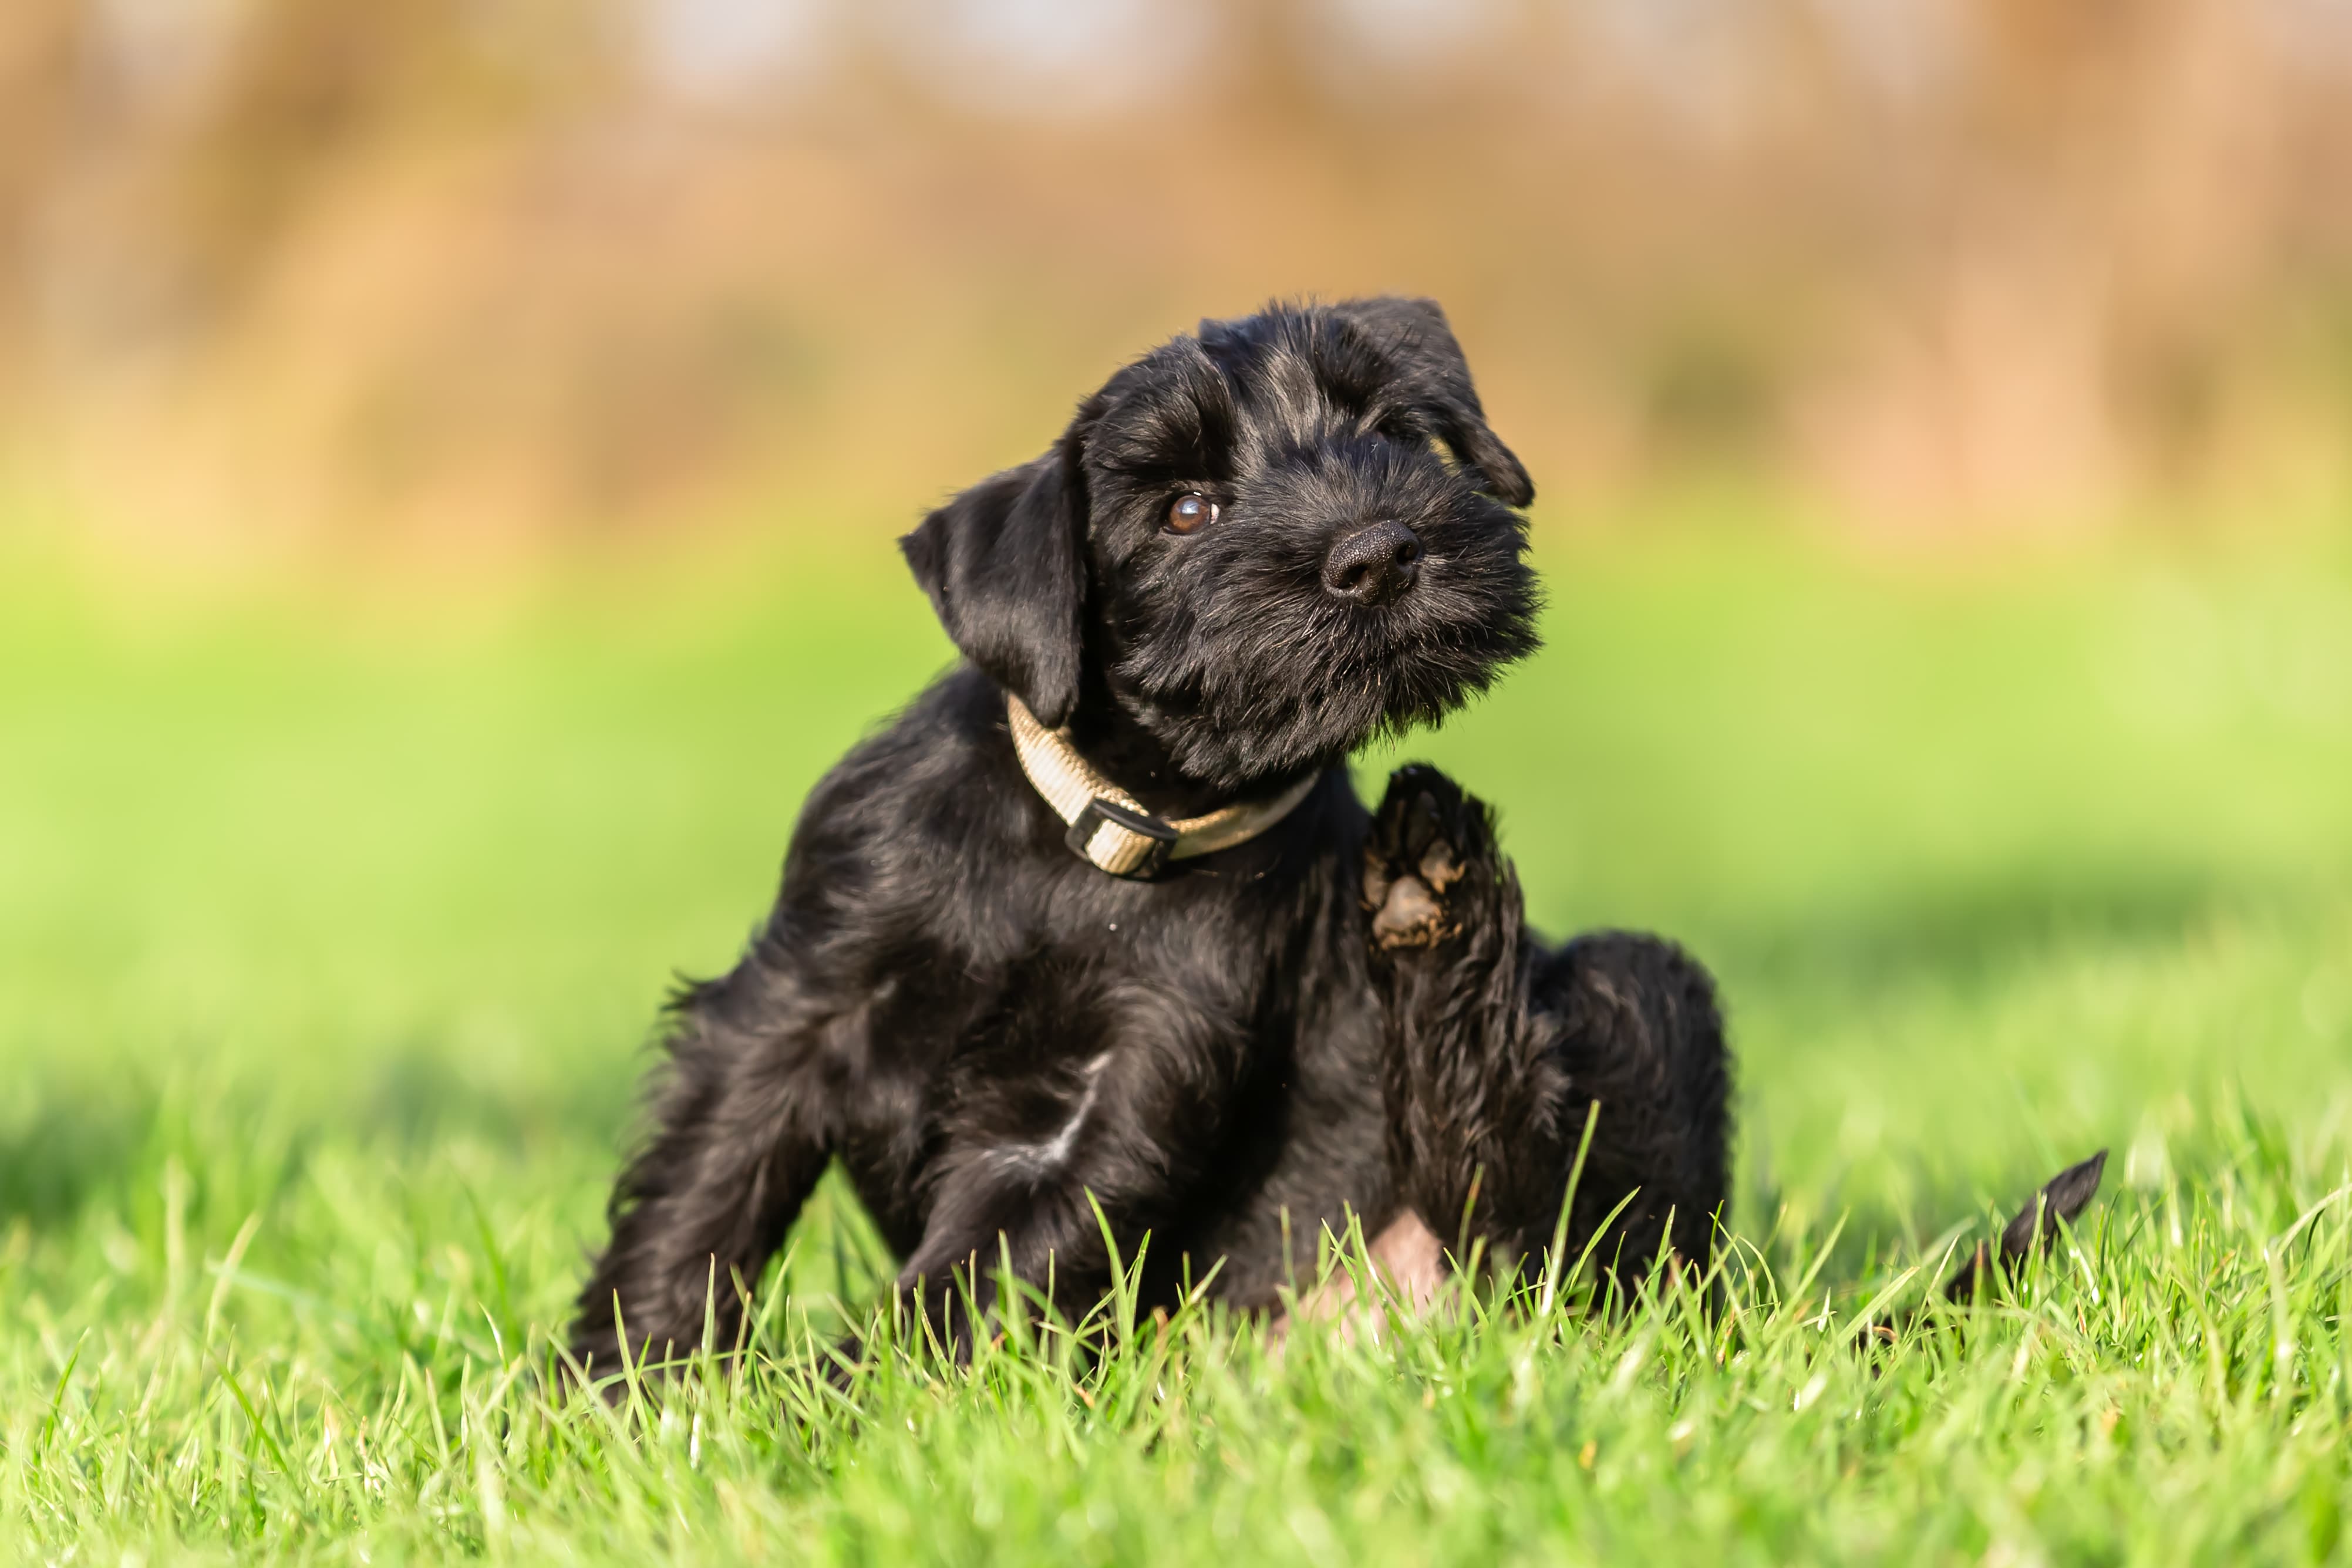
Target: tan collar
x=1108 y=828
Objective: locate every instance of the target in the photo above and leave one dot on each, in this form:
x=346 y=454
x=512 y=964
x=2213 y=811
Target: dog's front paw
x=1428 y=860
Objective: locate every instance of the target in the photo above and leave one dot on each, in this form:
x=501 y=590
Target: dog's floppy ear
x=1413 y=337
x=1003 y=564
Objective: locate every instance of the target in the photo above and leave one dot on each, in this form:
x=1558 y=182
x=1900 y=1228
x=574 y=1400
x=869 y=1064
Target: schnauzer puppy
x=1098 y=925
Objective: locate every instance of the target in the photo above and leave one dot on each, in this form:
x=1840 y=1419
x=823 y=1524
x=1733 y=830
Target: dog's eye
x=1186 y=513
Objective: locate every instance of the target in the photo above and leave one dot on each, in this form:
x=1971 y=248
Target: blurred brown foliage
x=458 y=272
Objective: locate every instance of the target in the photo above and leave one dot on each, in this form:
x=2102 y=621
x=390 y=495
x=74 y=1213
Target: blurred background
x=450 y=452
x=483 y=279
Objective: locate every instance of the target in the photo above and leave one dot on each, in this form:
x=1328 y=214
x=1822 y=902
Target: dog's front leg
x=738 y=1143
x=1047 y=1237
x=1038 y=1205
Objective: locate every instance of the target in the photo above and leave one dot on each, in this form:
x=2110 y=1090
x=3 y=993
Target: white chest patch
x=1052 y=1153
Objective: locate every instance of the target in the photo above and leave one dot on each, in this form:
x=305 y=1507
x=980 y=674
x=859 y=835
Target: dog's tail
x=2061 y=1199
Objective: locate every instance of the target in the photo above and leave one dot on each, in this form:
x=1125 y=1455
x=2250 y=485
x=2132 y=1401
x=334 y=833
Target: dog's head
x=1266 y=544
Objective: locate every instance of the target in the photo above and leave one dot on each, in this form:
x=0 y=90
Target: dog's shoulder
x=939 y=782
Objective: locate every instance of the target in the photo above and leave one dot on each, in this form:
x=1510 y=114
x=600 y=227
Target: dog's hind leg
x=1500 y=1048
x=738 y=1143
x=1472 y=1096
x=1632 y=1022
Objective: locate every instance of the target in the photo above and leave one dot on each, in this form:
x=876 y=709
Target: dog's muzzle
x=1109 y=828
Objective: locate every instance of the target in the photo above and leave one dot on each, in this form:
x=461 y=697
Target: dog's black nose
x=1375 y=564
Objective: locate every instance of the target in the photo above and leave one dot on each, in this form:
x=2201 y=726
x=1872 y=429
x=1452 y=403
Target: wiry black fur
x=992 y=1036
x=1501 y=1048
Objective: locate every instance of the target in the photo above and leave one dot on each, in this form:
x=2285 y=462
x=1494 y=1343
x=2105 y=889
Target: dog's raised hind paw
x=1430 y=855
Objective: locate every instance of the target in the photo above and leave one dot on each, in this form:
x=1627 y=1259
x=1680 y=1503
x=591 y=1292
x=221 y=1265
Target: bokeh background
x=452 y=451
x=470 y=278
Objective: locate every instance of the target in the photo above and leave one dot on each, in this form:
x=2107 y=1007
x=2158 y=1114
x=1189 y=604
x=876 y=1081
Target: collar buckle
x=1131 y=844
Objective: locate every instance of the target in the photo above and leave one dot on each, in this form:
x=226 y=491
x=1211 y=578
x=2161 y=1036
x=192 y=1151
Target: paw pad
x=1409 y=915
x=1423 y=844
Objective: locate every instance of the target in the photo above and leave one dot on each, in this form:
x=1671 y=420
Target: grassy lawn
x=330 y=938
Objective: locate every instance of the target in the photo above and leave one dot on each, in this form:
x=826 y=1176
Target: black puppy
x=1003 y=991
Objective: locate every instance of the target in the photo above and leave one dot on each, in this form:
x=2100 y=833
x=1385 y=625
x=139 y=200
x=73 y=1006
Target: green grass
x=329 y=941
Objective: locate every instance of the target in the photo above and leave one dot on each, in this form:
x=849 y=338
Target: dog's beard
x=1247 y=669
